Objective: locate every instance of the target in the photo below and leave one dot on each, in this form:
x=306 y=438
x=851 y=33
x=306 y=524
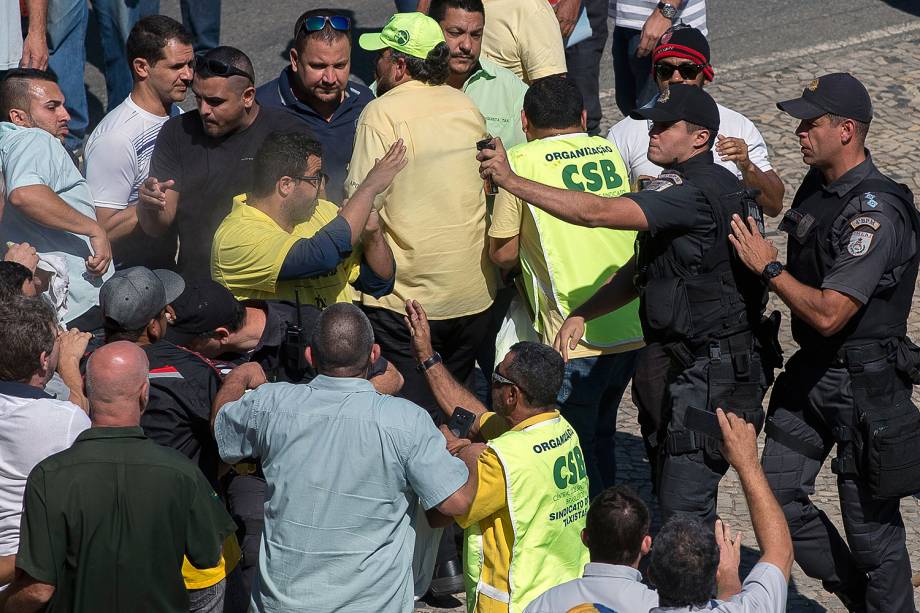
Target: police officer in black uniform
x=700 y=308
x=849 y=280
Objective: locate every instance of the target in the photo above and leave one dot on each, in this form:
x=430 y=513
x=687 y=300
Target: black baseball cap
x=682 y=102
x=204 y=306
x=838 y=93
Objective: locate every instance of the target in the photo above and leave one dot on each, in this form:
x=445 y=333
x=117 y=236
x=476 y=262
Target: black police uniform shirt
x=678 y=212
x=208 y=173
x=871 y=240
x=183 y=385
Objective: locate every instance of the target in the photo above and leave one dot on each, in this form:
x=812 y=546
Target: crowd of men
x=317 y=345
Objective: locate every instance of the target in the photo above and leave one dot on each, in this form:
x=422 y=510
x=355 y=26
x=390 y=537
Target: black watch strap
x=772 y=270
x=434 y=359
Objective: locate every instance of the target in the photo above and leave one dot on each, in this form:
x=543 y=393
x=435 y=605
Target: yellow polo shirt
x=434 y=213
x=490 y=509
x=524 y=37
x=249 y=249
x=509 y=219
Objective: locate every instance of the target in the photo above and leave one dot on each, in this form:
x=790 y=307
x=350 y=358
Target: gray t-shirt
x=346 y=469
x=764 y=591
x=617 y=587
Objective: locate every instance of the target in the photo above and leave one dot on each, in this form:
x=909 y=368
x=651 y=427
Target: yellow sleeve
x=492 y=425
x=370 y=145
x=490 y=492
x=506 y=215
x=541 y=49
x=249 y=255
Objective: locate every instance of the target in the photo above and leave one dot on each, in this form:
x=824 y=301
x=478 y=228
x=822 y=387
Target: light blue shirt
x=346 y=468
x=31 y=156
x=617 y=587
x=765 y=590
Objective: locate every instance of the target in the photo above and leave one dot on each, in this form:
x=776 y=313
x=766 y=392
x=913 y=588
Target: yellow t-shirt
x=509 y=219
x=490 y=509
x=249 y=249
x=524 y=37
x=200 y=578
x=434 y=213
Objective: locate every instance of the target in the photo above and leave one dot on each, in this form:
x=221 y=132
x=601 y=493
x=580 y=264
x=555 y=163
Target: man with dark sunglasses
x=531 y=469
x=682 y=56
x=316 y=88
x=204 y=158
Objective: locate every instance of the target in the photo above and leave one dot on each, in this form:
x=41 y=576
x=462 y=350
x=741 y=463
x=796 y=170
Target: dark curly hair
x=433 y=70
x=684 y=561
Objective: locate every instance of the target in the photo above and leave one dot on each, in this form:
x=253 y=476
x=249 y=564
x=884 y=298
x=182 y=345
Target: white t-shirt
x=631 y=138
x=10 y=34
x=33 y=426
x=118 y=153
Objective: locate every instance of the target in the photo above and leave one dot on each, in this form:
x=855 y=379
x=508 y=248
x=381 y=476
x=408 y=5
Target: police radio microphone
x=295 y=340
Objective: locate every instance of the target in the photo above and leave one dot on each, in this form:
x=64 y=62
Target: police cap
x=682 y=102
x=204 y=306
x=838 y=93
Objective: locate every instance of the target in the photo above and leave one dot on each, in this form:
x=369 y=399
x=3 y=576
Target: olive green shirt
x=107 y=522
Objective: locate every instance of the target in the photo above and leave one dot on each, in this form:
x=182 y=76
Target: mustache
x=465 y=56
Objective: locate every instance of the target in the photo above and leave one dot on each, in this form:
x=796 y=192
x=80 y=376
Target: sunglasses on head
x=318 y=22
x=687 y=71
x=218 y=68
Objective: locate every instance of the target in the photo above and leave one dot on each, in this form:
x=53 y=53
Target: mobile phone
x=488 y=184
x=461 y=422
x=703 y=422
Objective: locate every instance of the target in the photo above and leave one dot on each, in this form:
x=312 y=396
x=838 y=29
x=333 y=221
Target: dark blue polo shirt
x=337 y=135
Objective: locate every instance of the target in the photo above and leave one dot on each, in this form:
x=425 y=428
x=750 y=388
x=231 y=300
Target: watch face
x=667 y=10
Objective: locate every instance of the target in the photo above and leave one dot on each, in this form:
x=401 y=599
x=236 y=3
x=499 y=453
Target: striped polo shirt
x=633 y=13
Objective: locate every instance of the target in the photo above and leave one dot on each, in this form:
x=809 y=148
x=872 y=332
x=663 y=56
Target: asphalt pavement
x=738 y=30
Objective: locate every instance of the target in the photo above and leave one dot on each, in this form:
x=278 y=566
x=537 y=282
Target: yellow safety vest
x=579 y=260
x=547 y=494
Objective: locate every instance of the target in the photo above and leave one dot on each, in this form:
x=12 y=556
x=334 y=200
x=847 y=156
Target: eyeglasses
x=687 y=71
x=218 y=68
x=318 y=22
x=317 y=179
x=498 y=378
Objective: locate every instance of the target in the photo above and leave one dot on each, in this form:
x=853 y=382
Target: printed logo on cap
x=666 y=38
x=665 y=96
x=813 y=86
x=402 y=37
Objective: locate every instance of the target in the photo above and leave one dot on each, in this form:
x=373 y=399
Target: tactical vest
x=811 y=256
x=717 y=298
x=547 y=497
x=579 y=260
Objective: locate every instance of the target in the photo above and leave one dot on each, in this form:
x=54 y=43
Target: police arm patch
x=664 y=181
x=861 y=221
x=860 y=242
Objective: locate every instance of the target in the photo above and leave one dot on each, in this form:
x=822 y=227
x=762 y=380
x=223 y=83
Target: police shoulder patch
x=863 y=220
x=868 y=201
x=664 y=181
x=859 y=243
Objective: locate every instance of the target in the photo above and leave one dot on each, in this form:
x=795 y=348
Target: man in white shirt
x=682 y=56
x=119 y=149
x=33 y=424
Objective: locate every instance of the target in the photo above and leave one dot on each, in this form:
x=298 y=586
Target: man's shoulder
x=628 y=128
x=503 y=76
x=169 y=361
x=361 y=93
x=733 y=123
x=268 y=94
x=275 y=118
x=16 y=136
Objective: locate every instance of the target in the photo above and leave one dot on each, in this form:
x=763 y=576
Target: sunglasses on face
x=318 y=22
x=317 y=179
x=499 y=379
x=687 y=71
x=219 y=69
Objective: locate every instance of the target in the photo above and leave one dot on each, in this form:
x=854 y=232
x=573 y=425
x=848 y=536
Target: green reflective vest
x=579 y=259
x=547 y=494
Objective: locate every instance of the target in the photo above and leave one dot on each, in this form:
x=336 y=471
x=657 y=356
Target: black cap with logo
x=682 y=102
x=838 y=93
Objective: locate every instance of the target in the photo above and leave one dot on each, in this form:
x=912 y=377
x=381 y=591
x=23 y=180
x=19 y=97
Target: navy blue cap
x=682 y=102
x=838 y=93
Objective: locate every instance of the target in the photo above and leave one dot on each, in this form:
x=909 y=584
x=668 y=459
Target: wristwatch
x=667 y=10
x=772 y=270
x=434 y=359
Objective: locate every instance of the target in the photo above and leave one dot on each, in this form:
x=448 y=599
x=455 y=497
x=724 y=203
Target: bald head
x=116 y=384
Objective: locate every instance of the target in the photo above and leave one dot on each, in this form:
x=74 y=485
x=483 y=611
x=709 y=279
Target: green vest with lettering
x=579 y=259
x=547 y=497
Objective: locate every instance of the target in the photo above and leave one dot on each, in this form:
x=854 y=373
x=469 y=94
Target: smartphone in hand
x=461 y=422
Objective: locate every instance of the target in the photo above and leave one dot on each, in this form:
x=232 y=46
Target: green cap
x=414 y=34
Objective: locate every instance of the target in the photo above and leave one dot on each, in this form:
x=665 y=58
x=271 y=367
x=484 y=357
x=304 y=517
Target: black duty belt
x=852 y=357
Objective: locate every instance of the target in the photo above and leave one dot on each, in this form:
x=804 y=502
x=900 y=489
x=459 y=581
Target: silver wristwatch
x=668 y=10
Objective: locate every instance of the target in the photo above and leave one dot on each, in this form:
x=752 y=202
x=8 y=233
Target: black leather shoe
x=447 y=579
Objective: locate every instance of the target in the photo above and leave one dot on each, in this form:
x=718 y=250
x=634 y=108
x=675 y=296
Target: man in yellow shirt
x=524 y=37
x=564 y=264
x=281 y=241
x=523 y=528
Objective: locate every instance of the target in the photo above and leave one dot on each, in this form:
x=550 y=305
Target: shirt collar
x=536 y=419
x=699 y=158
x=484 y=70
x=569 y=135
x=96 y=432
x=23 y=390
x=851 y=178
x=600 y=569
x=341 y=384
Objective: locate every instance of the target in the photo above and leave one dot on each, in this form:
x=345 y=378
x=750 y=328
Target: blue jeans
x=116 y=18
x=633 y=81
x=589 y=398
x=200 y=17
x=67 y=57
